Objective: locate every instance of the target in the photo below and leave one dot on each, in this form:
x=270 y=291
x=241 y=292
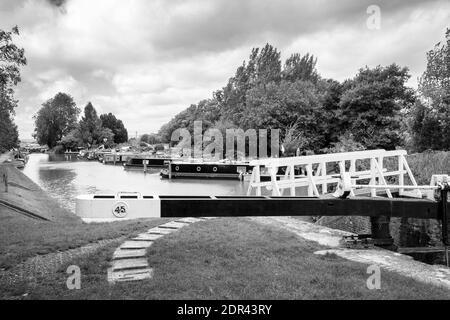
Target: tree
x=57 y=117
x=287 y=105
x=11 y=59
x=300 y=68
x=435 y=81
x=72 y=140
x=372 y=105
x=106 y=137
x=207 y=111
x=91 y=126
x=425 y=128
x=331 y=92
x=9 y=136
x=118 y=129
x=429 y=120
x=263 y=67
x=151 y=138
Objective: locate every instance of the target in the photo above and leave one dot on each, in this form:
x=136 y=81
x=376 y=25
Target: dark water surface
x=65 y=177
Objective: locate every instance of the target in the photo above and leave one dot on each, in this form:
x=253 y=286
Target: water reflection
x=65 y=177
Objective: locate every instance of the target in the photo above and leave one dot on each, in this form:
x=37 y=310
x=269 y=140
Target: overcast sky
x=146 y=60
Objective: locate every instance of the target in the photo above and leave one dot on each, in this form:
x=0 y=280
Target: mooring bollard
x=146 y=162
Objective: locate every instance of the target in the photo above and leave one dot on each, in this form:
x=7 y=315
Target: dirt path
x=404 y=265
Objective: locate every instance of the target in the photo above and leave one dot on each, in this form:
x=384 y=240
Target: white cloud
x=145 y=61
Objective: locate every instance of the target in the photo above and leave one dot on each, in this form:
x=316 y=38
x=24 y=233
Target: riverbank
x=231 y=258
x=23 y=237
x=235 y=258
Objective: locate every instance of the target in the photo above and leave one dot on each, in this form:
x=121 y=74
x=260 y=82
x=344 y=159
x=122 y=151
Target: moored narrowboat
x=152 y=162
x=207 y=170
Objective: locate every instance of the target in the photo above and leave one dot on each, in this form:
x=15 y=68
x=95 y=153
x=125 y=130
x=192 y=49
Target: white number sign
x=120 y=210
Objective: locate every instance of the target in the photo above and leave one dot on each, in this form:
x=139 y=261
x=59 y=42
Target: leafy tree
x=267 y=65
x=263 y=67
x=372 y=104
x=207 y=111
x=9 y=136
x=435 y=82
x=429 y=121
x=425 y=128
x=151 y=138
x=118 y=129
x=106 y=137
x=72 y=140
x=299 y=67
x=11 y=59
x=57 y=117
x=332 y=127
x=90 y=126
x=286 y=105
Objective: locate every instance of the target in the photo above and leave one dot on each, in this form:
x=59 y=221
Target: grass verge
x=232 y=259
x=22 y=238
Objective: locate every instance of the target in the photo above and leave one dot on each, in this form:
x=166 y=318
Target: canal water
x=65 y=177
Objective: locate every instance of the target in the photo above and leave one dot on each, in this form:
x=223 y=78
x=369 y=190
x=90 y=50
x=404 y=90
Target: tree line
x=374 y=109
x=56 y=123
x=11 y=59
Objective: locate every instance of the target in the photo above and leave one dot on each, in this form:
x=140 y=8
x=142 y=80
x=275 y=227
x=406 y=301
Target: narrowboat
x=152 y=162
x=208 y=170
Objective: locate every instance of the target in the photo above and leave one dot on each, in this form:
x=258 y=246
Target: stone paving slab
x=127 y=254
x=148 y=237
x=174 y=225
x=189 y=220
x=129 y=260
x=161 y=231
x=130 y=275
x=136 y=244
x=125 y=264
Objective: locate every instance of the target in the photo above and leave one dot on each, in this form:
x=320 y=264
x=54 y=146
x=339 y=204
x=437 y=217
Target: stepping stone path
x=129 y=260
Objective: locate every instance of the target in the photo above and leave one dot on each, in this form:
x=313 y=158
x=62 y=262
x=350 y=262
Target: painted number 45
x=120 y=209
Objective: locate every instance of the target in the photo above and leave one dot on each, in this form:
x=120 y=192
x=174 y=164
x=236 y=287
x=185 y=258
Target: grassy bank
x=232 y=259
x=424 y=165
x=22 y=237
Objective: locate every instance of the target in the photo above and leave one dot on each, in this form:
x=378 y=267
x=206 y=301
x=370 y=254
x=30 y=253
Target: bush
x=59 y=149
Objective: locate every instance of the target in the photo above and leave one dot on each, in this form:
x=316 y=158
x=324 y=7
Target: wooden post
x=275 y=188
x=292 y=178
x=352 y=173
x=381 y=233
x=401 y=175
x=324 y=176
x=373 y=181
